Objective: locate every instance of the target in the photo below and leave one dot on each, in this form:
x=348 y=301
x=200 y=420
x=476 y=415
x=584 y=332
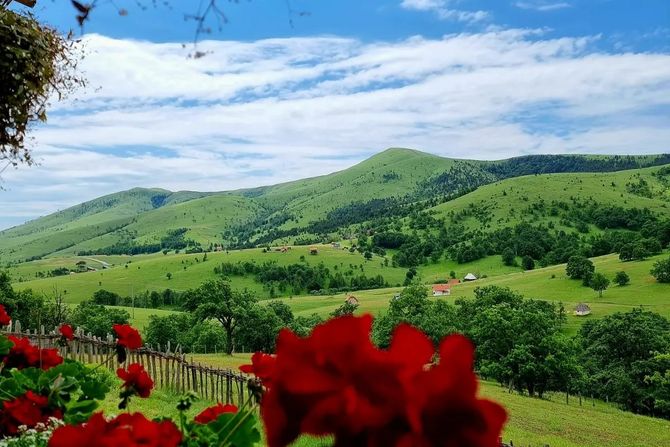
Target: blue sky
x=283 y=95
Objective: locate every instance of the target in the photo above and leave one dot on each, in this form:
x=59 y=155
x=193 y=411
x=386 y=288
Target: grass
x=129 y=275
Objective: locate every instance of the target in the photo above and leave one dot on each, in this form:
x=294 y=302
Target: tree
x=217 y=300
x=98 y=319
x=621 y=278
x=599 y=283
x=579 y=267
x=169 y=276
x=345 y=309
x=367 y=255
x=527 y=263
x=36 y=63
x=661 y=270
x=615 y=351
x=282 y=310
x=508 y=257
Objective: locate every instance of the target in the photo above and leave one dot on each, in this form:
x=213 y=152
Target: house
x=470 y=277
x=582 y=309
x=352 y=300
x=441 y=289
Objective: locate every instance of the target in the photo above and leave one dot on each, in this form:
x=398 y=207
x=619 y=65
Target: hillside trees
x=618 y=353
x=661 y=270
x=621 y=278
x=579 y=267
x=97 y=319
x=217 y=300
x=599 y=283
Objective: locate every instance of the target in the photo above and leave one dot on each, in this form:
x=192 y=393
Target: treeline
x=302 y=277
x=622 y=358
x=550 y=164
x=173 y=240
x=153 y=300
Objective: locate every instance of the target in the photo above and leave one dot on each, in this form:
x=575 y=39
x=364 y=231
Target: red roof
x=441 y=287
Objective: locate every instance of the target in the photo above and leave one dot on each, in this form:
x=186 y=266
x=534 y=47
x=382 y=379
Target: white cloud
x=542 y=5
x=262 y=112
x=444 y=10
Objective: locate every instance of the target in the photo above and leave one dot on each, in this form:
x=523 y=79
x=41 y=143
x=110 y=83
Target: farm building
x=470 y=277
x=582 y=309
x=441 y=289
x=313 y=251
x=352 y=300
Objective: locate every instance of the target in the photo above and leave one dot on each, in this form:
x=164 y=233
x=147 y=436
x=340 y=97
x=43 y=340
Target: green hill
x=391 y=184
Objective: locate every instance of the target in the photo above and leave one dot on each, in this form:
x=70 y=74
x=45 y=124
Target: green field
x=532 y=421
x=550 y=283
x=148 y=272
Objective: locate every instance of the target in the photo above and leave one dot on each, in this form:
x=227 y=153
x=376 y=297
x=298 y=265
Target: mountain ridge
x=392 y=178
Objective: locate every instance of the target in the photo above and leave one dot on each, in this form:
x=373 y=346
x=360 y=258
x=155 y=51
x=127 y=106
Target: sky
x=298 y=88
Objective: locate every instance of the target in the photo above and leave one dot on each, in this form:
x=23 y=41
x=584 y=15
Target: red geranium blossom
x=5 y=319
x=127 y=336
x=127 y=430
x=24 y=355
x=136 y=380
x=262 y=366
x=212 y=413
x=28 y=409
x=336 y=382
x=66 y=331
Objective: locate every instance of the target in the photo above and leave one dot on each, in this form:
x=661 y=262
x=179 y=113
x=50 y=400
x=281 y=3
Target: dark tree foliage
x=661 y=270
x=618 y=354
x=97 y=319
x=300 y=277
x=547 y=164
x=579 y=267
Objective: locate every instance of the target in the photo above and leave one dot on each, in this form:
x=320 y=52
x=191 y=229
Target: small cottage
x=441 y=290
x=582 y=310
x=470 y=277
x=352 y=300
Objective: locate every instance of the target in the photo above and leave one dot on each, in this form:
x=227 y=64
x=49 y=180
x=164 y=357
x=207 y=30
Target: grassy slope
x=506 y=199
x=642 y=291
x=532 y=421
x=148 y=272
x=311 y=199
x=80 y=223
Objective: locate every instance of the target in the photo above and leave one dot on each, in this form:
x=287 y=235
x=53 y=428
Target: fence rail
x=168 y=368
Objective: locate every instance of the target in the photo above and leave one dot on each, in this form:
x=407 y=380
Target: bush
x=661 y=271
x=621 y=278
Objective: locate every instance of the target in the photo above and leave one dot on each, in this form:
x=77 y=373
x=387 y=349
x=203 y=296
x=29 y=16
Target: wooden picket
x=169 y=369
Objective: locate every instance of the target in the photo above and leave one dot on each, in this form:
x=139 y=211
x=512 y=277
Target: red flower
x=212 y=413
x=136 y=380
x=336 y=382
x=127 y=430
x=24 y=355
x=66 y=331
x=5 y=319
x=28 y=409
x=262 y=366
x=127 y=336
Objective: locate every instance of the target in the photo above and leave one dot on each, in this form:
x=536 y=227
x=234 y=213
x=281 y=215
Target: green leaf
x=237 y=429
x=5 y=345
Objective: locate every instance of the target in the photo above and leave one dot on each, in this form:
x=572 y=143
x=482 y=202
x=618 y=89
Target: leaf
x=5 y=345
x=245 y=427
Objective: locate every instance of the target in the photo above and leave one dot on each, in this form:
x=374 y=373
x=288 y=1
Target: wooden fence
x=168 y=368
